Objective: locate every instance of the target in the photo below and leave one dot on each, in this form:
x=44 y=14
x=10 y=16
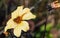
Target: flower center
x=18 y=19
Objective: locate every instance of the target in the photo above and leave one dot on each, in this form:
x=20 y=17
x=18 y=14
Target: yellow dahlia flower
x=17 y=20
x=55 y=4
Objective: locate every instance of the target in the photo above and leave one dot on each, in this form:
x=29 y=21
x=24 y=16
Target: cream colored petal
x=17 y=31
x=58 y=4
x=16 y=12
x=28 y=16
x=10 y=24
x=53 y=5
x=24 y=11
x=24 y=26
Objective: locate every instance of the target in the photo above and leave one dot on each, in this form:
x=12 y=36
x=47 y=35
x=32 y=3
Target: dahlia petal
x=17 y=31
x=24 y=26
x=10 y=25
x=16 y=12
x=24 y=11
x=28 y=16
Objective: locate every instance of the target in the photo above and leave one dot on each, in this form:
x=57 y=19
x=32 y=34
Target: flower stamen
x=18 y=19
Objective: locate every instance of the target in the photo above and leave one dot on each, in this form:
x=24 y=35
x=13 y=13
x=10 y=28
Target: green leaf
x=42 y=28
x=50 y=35
x=49 y=26
x=58 y=26
x=38 y=35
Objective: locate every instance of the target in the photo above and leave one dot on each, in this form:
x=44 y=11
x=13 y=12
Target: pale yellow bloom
x=55 y=4
x=17 y=20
